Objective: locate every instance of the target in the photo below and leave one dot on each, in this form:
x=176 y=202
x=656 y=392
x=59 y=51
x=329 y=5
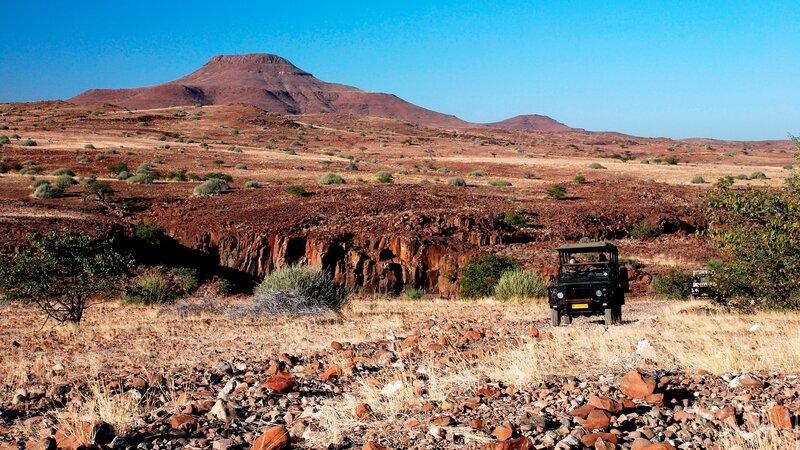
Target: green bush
x=47 y=190
x=596 y=166
x=211 y=187
x=643 y=230
x=218 y=176
x=149 y=231
x=741 y=176
x=186 y=278
x=252 y=185
x=758 y=176
x=89 y=147
x=456 y=182
x=140 y=178
x=64 y=181
x=675 y=284
x=515 y=219
x=4 y=140
x=28 y=143
x=314 y=285
x=296 y=190
x=520 y=285
x=331 y=178
x=149 y=290
x=118 y=168
x=556 y=192
x=124 y=175
x=499 y=183
x=698 y=180
x=384 y=177
x=62 y=171
x=480 y=275
x=240 y=166
x=414 y=293
x=477 y=173
x=580 y=179
x=35 y=183
x=671 y=160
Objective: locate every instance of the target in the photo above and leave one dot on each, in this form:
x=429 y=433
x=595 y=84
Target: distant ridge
x=273 y=83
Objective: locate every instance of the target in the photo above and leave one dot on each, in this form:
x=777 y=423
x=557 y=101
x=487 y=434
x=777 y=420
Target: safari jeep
x=703 y=285
x=590 y=282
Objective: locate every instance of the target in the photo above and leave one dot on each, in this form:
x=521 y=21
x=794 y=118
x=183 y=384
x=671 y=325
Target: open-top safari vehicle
x=589 y=282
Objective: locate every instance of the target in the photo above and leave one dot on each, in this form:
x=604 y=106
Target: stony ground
x=402 y=374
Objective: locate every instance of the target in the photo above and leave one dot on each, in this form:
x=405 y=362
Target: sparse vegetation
x=556 y=192
x=675 y=284
x=520 y=285
x=296 y=190
x=331 y=178
x=213 y=186
x=151 y=289
x=499 y=183
x=580 y=179
x=314 y=285
x=251 y=184
x=595 y=166
x=480 y=275
x=456 y=182
x=698 y=180
x=47 y=190
x=384 y=177
x=515 y=219
x=644 y=229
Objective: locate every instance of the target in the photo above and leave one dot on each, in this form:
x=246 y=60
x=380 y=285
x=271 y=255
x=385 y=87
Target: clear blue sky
x=723 y=69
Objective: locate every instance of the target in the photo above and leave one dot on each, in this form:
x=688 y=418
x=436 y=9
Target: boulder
x=636 y=385
x=276 y=438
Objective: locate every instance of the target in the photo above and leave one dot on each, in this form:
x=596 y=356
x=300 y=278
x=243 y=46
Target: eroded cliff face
x=421 y=251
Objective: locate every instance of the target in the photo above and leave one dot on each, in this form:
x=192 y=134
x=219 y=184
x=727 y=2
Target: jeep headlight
x=560 y=295
x=598 y=293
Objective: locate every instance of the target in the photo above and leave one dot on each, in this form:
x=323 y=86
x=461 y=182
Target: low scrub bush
x=314 y=286
x=556 y=192
x=331 y=178
x=596 y=166
x=211 y=187
x=758 y=176
x=28 y=143
x=480 y=275
x=515 y=219
x=218 y=176
x=296 y=190
x=698 y=180
x=62 y=171
x=414 y=293
x=384 y=177
x=140 y=178
x=580 y=179
x=64 y=181
x=252 y=185
x=643 y=230
x=456 y=182
x=675 y=284
x=149 y=289
x=499 y=183
x=520 y=285
x=47 y=190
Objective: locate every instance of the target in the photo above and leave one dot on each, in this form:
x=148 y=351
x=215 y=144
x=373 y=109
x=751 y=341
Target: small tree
x=480 y=275
x=63 y=273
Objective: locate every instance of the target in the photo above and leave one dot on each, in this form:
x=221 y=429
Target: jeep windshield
x=590 y=270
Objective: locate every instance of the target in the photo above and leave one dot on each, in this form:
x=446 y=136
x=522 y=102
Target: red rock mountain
x=531 y=122
x=275 y=84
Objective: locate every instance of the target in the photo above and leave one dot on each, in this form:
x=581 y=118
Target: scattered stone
x=276 y=438
x=636 y=385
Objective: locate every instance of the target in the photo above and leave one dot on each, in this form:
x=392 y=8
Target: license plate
x=580 y=306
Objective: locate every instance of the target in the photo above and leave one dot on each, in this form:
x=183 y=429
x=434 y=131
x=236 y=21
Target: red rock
x=655 y=399
x=182 y=422
x=487 y=392
x=597 y=420
x=589 y=439
x=605 y=403
x=477 y=424
x=372 y=445
x=502 y=433
x=332 y=372
x=582 y=411
x=627 y=403
x=780 y=417
x=546 y=335
x=276 y=438
x=660 y=446
x=683 y=416
x=363 y=411
x=533 y=332
x=281 y=383
x=336 y=346
x=636 y=385
x=520 y=443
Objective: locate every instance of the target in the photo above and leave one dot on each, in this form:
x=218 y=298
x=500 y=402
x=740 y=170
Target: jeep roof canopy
x=587 y=247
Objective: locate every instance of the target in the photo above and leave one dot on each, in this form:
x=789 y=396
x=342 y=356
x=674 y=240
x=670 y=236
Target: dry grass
x=763 y=437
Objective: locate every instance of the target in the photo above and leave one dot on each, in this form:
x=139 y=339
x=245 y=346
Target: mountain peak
x=248 y=59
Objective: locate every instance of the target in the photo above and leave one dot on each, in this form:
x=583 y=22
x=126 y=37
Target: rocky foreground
x=422 y=390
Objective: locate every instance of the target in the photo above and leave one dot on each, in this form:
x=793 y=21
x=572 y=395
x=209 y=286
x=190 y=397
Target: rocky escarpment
x=416 y=251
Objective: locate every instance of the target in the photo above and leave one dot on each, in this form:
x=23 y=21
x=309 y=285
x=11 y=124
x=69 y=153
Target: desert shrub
x=788 y=167
x=596 y=166
x=402 y=172
x=28 y=143
x=240 y=166
x=296 y=190
x=443 y=170
x=62 y=171
x=186 y=278
x=643 y=230
x=35 y=183
x=351 y=167
x=61 y=273
x=580 y=179
x=515 y=219
x=124 y=175
x=144 y=168
x=218 y=176
x=210 y=306
x=64 y=181
x=384 y=177
x=331 y=178
x=313 y=285
x=151 y=289
x=4 y=140
x=149 y=231
x=141 y=178
x=252 y=185
x=234 y=131
x=631 y=262
x=89 y=147
x=118 y=168
x=47 y=190
x=675 y=284
x=520 y=285
x=480 y=275
x=414 y=293
x=740 y=176
x=180 y=175
x=556 y=192
x=281 y=302
x=83 y=159
x=499 y=183
x=671 y=160
x=97 y=190
x=477 y=173
x=456 y=182
x=211 y=187
x=698 y=180
x=36 y=170
x=758 y=176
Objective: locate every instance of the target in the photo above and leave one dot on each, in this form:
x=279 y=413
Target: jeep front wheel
x=555 y=318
